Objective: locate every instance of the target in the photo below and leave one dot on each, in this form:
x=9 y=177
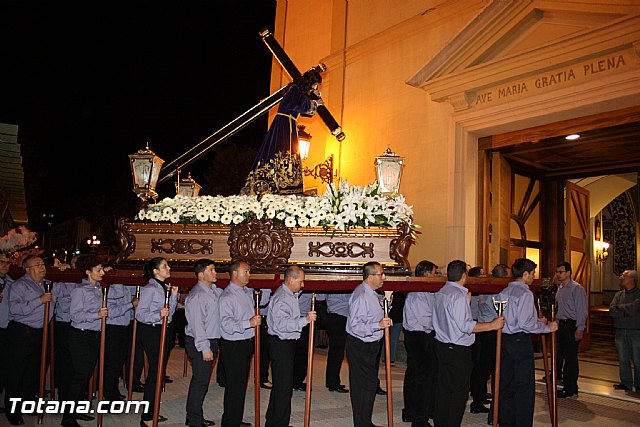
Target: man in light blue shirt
x=365 y=328
x=419 y=339
x=285 y=324
x=335 y=324
x=517 y=383
x=237 y=328
x=201 y=341
x=455 y=329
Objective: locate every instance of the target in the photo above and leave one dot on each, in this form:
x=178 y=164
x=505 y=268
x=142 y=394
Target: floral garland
x=16 y=239
x=339 y=208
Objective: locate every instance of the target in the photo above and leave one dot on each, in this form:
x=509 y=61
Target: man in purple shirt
x=420 y=377
x=572 y=314
x=365 y=328
x=237 y=329
x=517 y=382
x=26 y=318
x=201 y=340
x=285 y=324
x=455 y=333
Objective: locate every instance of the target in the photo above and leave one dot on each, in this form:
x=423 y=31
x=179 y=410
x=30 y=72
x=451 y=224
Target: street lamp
x=93 y=242
x=389 y=171
x=304 y=142
x=145 y=168
x=187 y=186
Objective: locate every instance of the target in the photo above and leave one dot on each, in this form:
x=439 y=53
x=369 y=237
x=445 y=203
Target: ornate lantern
x=304 y=142
x=145 y=168
x=187 y=186
x=389 y=171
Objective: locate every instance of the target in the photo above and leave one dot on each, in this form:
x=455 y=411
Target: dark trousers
x=62 y=369
x=4 y=358
x=24 y=362
x=452 y=390
x=483 y=352
x=138 y=359
x=201 y=369
x=236 y=357
x=84 y=347
x=115 y=353
x=517 y=382
x=301 y=356
x=420 y=377
x=282 y=355
x=363 y=378
x=150 y=340
x=567 y=361
x=265 y=360
x=335 y=325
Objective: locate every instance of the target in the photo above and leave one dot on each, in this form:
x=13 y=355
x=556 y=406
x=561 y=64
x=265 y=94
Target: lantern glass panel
x=389 y=174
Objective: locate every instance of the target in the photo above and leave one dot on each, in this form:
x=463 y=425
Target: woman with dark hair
x=84 y=335
x=149 y=313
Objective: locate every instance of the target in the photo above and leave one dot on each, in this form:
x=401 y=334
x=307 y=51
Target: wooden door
x=500 y=212
x=577 y=240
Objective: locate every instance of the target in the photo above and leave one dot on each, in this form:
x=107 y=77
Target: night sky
x=89 y=82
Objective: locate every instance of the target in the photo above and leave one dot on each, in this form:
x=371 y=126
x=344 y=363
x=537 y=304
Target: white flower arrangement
x=340 y=208
x=16 y=239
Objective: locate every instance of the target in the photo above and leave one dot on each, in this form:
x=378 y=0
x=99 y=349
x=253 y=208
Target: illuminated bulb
x=572 y=137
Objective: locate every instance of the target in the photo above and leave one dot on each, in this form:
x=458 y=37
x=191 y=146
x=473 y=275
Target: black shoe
x=205 y=423
x=244 y=424
x=72 y=423
x=380 y=391
x=15 y=420
x=139 y=389
x=479 y=409
x=621 y=387
x=84 y=417
x=339 y=389
x=162 y=419
x=300 y=387
x=167 y=380
x=562 y=394
x=266 y=385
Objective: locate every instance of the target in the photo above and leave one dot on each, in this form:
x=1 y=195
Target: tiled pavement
x=334 y=410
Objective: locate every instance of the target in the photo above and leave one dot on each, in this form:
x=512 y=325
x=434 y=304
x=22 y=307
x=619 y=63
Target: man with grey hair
x=625 y=311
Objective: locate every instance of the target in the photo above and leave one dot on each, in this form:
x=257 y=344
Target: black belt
x=150 y=325
x=566 y=321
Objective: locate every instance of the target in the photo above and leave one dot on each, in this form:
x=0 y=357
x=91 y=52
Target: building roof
x=11 y=174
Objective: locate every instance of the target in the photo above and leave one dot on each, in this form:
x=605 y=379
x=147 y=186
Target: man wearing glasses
x=24 y=333
x=365 y=328
x=572 y=321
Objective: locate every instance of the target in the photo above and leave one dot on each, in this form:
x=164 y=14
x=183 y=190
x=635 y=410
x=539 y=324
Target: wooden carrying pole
x=545 y=361
x=307 y=402
x=160 y=372
x=554 y=374
x=387 y=365
x=499 y=307
x=52 y=361
x=43 y=350
x=103 y=337
x=256 y=358
x=132 y=353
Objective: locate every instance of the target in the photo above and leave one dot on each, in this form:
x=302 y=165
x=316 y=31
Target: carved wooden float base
x=266 y=246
